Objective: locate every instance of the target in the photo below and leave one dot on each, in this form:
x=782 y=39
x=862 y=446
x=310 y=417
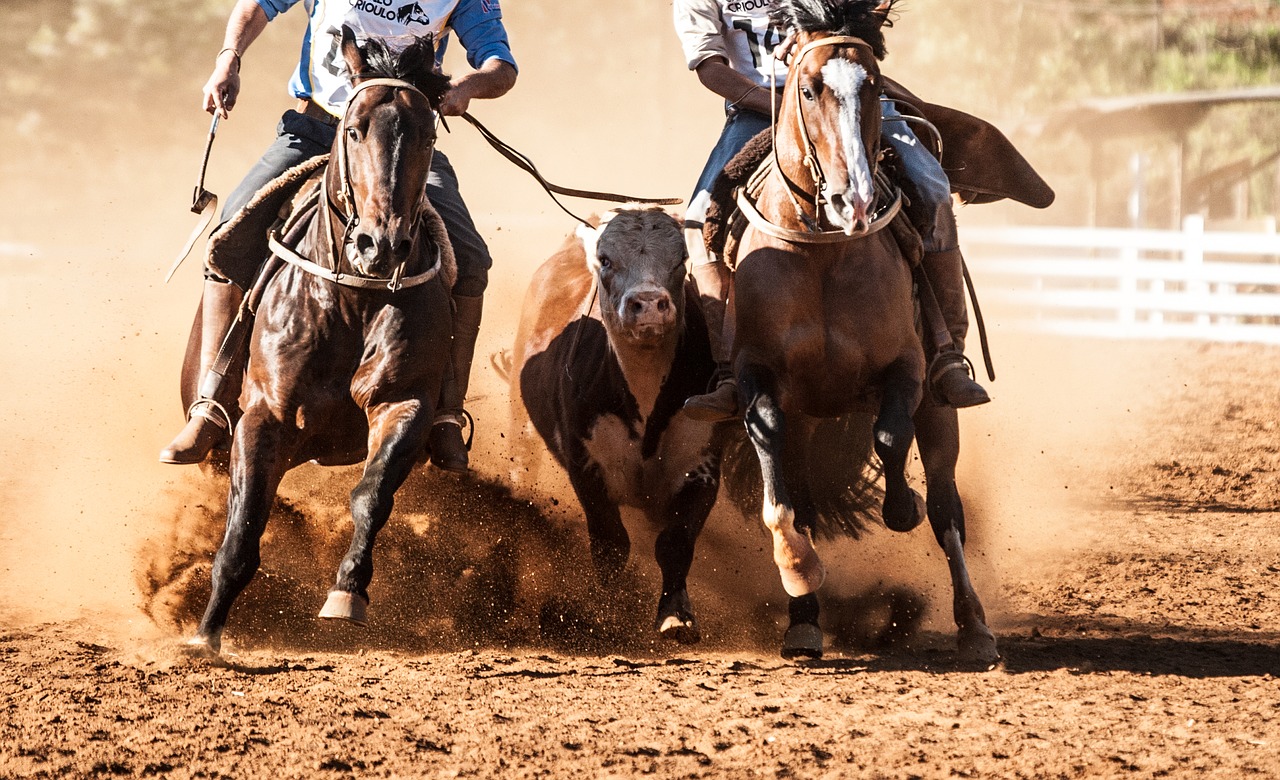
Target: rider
x=730 y=45
x=320 y=84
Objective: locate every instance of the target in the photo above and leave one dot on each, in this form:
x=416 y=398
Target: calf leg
x=939 y=435
x=798 y=563
x=687 y=513
x=257 y=466
x=894 y=431
x=610 y=545
x=396 y=435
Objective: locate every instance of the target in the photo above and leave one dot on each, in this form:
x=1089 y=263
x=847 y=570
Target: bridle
x=349 y=221
x=814 y=167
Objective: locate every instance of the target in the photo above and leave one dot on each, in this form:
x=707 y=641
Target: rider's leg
x=448 y=449
x=930 y=211
x=298 y=139
x=712 y=276
x=209 y=418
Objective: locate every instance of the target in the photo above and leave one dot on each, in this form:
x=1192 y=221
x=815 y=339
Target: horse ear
x=882 y=12
x=351 y=53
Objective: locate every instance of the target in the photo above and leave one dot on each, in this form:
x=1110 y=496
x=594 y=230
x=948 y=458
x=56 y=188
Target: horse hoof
x=906 y=524
x=201 y=648
x=805 y=579
x=682 y=630
x=802 y=640
x=342 y=605
x=979 y=647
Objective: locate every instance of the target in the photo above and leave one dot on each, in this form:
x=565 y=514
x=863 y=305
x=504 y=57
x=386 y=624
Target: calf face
x=638 y=255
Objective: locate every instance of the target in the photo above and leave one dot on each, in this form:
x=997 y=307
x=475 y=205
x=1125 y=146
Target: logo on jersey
x=488 y=6
x=412 y=13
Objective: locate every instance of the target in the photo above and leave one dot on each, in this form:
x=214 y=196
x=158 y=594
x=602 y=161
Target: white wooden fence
x=1188 y=284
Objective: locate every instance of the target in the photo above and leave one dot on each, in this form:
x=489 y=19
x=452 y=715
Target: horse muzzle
x=378 y=250
x=848 y=210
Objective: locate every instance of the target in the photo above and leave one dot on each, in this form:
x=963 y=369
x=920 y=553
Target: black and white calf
x=611 y=343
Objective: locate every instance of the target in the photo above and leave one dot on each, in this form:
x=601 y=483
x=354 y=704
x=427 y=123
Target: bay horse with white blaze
x=351 y=339
x=823 y=305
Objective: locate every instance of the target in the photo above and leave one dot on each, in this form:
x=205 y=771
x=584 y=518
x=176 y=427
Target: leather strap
x=880 y=221
x=203 y=202
x=525 y=164
x=393 y=283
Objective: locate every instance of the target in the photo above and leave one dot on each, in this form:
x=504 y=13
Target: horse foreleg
x=257 y=466
x=798 y=563
x=396 y=434
x=687 y=512
x=939 y=437
x=894 y=431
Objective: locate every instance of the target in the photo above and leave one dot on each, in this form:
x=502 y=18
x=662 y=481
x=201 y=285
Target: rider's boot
x=208 y=420
x=713 y=279
x=448 y=449
x=950 y=373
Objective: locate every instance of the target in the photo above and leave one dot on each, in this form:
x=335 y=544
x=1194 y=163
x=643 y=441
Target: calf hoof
x=342 y=605
x=202 y=648
x=682 y=629
x=904 y=516
x=802 y=640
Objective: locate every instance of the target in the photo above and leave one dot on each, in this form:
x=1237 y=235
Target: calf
x=611 y=342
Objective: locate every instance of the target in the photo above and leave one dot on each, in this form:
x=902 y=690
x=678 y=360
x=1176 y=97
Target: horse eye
x=808 y=93
x=353 y=134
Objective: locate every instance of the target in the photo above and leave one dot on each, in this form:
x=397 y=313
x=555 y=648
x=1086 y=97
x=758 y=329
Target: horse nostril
x=364 y=243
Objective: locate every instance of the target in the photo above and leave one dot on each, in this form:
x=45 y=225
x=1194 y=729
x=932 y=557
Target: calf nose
x=648 y=307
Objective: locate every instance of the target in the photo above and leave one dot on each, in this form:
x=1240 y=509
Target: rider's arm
x=480 y=30
x=246 y=23
x=716 y=75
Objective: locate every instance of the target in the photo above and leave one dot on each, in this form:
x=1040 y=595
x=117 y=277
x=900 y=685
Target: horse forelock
x=859 y=18
x=415 y=64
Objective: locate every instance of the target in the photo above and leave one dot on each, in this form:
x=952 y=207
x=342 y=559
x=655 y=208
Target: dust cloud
x=93 y=525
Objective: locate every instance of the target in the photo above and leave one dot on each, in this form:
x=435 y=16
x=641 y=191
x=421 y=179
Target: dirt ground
x=1122 y=500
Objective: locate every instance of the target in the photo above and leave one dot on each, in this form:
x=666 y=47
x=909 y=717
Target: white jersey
x=737 y=30
x=323 y=73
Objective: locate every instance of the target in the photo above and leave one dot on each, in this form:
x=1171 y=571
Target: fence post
x=1193 y=259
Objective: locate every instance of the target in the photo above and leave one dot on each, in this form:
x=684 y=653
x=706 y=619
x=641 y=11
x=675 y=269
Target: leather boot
x=448 y=449
x=714 y=281
x=209 y=419
x=951 y=379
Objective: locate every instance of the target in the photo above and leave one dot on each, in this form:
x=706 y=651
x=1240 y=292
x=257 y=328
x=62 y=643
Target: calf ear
x=589 y=236
x=351 y=53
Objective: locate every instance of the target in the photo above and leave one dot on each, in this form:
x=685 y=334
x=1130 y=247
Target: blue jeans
x=930 y=208
x=300 y=138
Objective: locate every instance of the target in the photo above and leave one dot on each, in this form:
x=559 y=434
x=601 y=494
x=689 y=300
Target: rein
x=522 y=162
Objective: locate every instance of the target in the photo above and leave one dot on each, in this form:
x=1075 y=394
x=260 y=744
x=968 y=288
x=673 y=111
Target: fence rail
x=1189 y=283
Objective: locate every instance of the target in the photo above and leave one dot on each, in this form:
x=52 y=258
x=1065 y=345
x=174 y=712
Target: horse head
x=382 y=152
x=831 y=105
x=637 y=255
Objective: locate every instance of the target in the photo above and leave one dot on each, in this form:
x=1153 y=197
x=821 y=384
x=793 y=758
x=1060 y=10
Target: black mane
x=859 y=18
x=416 y=65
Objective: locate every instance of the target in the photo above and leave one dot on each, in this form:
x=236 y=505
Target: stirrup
x=945 y=362
x=205 y=408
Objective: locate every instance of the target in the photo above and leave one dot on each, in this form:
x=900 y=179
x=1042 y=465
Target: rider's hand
x=456 y=100
x=783 y=51
x=223 y=86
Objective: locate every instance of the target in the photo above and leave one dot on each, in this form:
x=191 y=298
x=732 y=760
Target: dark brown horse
x=351 y=339
x=823 y=307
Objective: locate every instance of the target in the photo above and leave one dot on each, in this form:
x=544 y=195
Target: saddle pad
x=237 y=248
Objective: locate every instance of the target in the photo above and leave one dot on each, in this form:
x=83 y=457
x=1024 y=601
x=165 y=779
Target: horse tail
x=835 y=465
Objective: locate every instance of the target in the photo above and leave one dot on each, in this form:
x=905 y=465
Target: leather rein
x=812 y=235
x=331 y=210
